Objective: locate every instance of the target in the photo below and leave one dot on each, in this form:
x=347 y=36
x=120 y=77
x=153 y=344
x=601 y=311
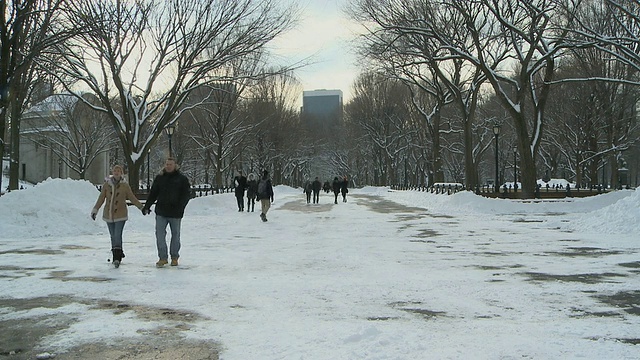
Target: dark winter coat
x=241 y=184
x=316 y=185
x=337 y=184
x=172 y=193
x=252 y=189
x=308 y=188
x=326 y=187
x=344 y=186
x=268 y=190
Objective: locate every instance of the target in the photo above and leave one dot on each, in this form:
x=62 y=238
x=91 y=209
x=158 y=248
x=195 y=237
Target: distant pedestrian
x=344 y=189
x=326 y=187
x=240 y=183
x=265 y=194
x=172 y=192
x=316 y=187
x=252 y=191
x=337 y=184
x=114 y=194
x=308 y=188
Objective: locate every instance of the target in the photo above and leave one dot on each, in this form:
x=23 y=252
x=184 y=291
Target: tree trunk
x=438 y=175
x=471 y=176
x=16 y=99
x=3 y=130
x=527 y=159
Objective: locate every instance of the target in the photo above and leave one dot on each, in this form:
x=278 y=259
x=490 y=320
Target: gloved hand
x=93 y=216
x=145 y=211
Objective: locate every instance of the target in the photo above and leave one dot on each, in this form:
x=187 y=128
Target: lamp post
x=148 y=156
x=170 y=129
x=496 y=132
x=60 y=168
x=515 y=171
x=515 y=167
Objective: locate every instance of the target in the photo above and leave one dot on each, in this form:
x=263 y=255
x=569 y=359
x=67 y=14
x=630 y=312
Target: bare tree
x=492 y=36
x=73 y=132
x=220 y=126
x=402 y=44
x=150 y=55
x=27 y=28
x=276 y=137
x=380 y=107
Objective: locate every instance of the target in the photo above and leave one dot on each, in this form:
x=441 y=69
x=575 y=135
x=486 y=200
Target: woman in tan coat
x=115 y=193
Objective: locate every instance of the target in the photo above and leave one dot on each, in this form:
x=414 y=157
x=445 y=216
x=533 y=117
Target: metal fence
x=196 y=191
x=507 y=191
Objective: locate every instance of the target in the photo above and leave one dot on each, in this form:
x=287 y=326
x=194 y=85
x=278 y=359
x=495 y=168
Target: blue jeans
x=115 y=230
x=161 y=235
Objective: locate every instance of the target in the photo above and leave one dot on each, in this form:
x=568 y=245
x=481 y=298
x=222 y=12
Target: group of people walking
x=339 y=186
x=259 y=189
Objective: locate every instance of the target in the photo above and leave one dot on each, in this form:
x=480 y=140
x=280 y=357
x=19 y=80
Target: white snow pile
x=54 y=207
x=623 y=216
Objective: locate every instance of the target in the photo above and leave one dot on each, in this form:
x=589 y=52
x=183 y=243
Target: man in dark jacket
x=172 y=192
x=337 y=184
x=317 y=186
x=240 y=183
x=344 y=188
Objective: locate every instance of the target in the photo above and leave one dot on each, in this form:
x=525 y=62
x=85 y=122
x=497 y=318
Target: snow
x=387 y=275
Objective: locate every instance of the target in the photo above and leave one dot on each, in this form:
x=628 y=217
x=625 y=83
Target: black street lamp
x=148 y=156
x=515 y=165
x=515 y=169
x=170 y=129
x=60 y=168
x=496 y=132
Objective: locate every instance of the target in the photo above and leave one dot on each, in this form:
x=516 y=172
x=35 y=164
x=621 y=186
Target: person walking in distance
x=114 y=194
x=307 y=190
x=240 y=183
x=316 y=186
x=252 y=190
x=172 y=192
x=265 y=194
x=337 y=184
x=344 y=189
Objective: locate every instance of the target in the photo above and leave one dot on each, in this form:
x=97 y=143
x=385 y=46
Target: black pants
x=308 y=197
x=251 y=203
x=316 y=197
x=240 y=202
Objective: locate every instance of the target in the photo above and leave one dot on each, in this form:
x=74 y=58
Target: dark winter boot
x=117 y=256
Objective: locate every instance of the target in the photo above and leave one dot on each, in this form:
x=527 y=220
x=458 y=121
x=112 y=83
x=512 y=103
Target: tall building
x=322 y=108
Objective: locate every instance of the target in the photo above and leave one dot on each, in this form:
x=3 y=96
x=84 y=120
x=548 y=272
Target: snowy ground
x=387 y=275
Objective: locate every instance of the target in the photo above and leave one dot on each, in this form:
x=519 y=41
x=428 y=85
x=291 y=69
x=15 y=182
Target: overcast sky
x=325 y=34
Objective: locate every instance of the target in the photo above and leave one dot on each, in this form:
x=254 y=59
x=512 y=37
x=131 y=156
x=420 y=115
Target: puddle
x=584 y=252
x=426 y=233
x=302 y=206
x=415 y=307
x=580 y=278
x=383 y=206
x=63 y=275
x=33 y=251
x=75 y=247
x=629 y=301
x=632 y=265
x=494 y=268
x=523 y=220
x=22 y=339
